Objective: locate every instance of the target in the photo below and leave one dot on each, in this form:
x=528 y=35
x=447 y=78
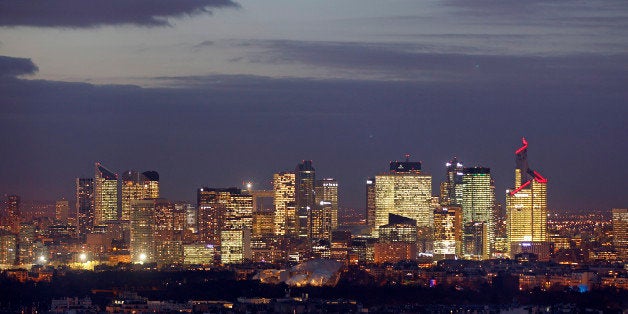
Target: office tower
x=477 y=208
x=451 y=188
x=405 y=191
x=475 y=244
x=222 y=209
x=321 y=216
x=447 y=232
x=12 y=215
x=620 y=232
x=499 y=217
x=397 y=240
x=62 y=211
x=198 y=254
x=105 y=195
x=85 y=204
x=8 y=249
x=137 y=186
x=370 y=204
x=142 y=235
x=190 y=222
x=285 y=204
x=190 y=216
x=398 y=229
x=340 y=244
x=235 y=246
x=210 y=216
x=26 y=244
x=239 y=211
x=305 y=178
x=263 y=224
x=526 y=203
x=168 y=232
x=327 y=191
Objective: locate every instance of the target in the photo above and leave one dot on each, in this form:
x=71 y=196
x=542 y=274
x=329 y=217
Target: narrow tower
x=526 y=206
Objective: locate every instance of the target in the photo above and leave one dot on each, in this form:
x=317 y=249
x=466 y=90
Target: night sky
x=215 y=92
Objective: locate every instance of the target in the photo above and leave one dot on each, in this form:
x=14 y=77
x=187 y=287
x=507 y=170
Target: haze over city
x=215 y=93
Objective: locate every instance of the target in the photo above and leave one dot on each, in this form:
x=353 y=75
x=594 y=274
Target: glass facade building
x=305 y=179
x=478 y=201
x=327 y=191
x=451 y=188
x=85 y=204
x=105 y=195
x=285 y=215
x=137 y=186
x=526 y=203
x=405 y=191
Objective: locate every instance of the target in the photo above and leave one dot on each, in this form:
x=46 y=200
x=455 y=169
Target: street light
x=83 y=257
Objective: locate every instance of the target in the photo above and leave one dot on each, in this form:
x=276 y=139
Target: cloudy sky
x=215 y=92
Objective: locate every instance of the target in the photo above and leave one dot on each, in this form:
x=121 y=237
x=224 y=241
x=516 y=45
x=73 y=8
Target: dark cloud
x=418 y=62
x=501 y=8
x=559 y=14
x=221 y=130
x=91 y=13
x=11 y=67
x=203 y=44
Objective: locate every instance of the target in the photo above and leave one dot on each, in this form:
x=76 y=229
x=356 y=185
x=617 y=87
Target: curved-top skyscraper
x=526 y=204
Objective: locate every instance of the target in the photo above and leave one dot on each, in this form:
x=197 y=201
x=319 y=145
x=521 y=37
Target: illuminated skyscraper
x=105 y=195
x=12 y=215
x=448 y=232
x=397 y=240
x=190 y=214
x=620 y=232
x=8 y=249
x=305 y=178
x=263 y=225
x=223 y=209
x=156 y=231
x=62 y=211
x=85 y=204
x=321 y=221
x=370 y=203
x=239 y=214
x=405 y=191
x=327 y=191
x=138 y=186
x=26 y=243
x=399 y=229
x=142 y=233
x=199 y=253
x=235 y=246
x=210 y=216
x=285 y=204
x=526 y=203
x=168 y=232
x=478 y=201
x=451 y=188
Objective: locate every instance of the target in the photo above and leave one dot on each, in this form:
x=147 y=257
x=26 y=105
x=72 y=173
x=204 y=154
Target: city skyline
x=248 y=183
x=285 y=156
x=217 y=92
